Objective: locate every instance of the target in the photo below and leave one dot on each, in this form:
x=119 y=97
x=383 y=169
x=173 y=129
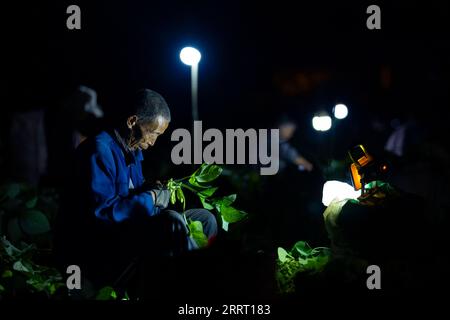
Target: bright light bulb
x=338 y=190
x=190 y=56
x=321 y=123
x=340 y=111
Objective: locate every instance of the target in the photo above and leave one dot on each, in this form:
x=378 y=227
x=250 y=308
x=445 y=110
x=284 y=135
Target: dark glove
x=162 y=197
x=147 y=186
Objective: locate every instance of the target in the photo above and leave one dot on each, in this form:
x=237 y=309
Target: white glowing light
x=340 y=111
x=321 y=123
x=190 y=56
x=338 y=190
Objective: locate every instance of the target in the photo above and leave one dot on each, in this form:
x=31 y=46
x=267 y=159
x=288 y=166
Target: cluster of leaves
x=18 y=272
x=377 y=192
x=301 y=258
x=108 y=293
x=26 y=213
x=200 y=183
x=25 y=223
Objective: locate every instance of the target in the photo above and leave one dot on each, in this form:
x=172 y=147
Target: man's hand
x=300 y=161
x=161 y=197
x=159 y=193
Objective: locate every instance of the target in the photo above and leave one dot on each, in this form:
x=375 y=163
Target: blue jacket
x=114 y=172
x=99 y=208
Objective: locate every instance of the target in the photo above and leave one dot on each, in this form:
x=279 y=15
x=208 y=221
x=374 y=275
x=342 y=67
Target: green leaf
x=228 y=200
x=231 y=214
x=195 y=226
x=10 y=250
x=205 y=204
x=34 y=222
x=282 y=254
x=7 y=274
x=194 y=182
x=207 y=173
x=31 y=203
x=173 y=196
x=224 y=201
x=106 y=293
x=225 y=224
x=320 y=251
x=2 y=288
x=18 y=266
x=12 y=190
x=52 y=289
x=180 y=196
x=197 y=234
x=314 y=264
x=30 y=265
x=207 y=192
x=302 y=248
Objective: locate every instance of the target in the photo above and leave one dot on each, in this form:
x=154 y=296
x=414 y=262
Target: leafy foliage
x=19 y=272
x=199 y=183
x=25 y=217
x=377 y=192
x=106 y=293
x=26 y=213
x=196 y=230
x=301 y=258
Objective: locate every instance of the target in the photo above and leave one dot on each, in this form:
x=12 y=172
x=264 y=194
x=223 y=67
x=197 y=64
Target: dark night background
x=259 y=61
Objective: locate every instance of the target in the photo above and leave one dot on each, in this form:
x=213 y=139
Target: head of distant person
x=149 y=119
x=287 y=129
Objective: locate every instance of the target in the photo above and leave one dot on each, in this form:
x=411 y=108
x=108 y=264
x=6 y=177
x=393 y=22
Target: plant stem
x=184 y=185
x=182 y=179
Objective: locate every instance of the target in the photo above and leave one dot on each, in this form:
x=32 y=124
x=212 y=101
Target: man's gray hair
x=149 y=105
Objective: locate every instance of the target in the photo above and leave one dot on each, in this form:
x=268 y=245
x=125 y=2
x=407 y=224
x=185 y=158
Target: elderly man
x=109 y=214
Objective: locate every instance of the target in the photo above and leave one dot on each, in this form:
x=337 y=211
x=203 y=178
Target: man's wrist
x=152 y=193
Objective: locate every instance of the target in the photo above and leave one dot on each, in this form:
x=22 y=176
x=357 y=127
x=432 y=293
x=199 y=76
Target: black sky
x=125 y=45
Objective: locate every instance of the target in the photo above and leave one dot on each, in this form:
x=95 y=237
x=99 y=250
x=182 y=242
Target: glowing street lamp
x=321 y=122
x=340 y=111
x=191 y=57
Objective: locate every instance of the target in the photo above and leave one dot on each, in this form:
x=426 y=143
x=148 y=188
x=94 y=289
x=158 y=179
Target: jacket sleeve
x=108 y=205
x=288 y=152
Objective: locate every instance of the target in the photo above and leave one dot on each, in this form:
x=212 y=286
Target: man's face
x=144 y=134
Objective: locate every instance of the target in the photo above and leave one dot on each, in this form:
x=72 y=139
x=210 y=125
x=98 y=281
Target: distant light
x=321 y=123
x=190 y=56
x=340 y=111
x=339 y=191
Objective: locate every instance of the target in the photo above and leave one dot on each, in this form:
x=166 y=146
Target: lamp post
x=191 y=57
